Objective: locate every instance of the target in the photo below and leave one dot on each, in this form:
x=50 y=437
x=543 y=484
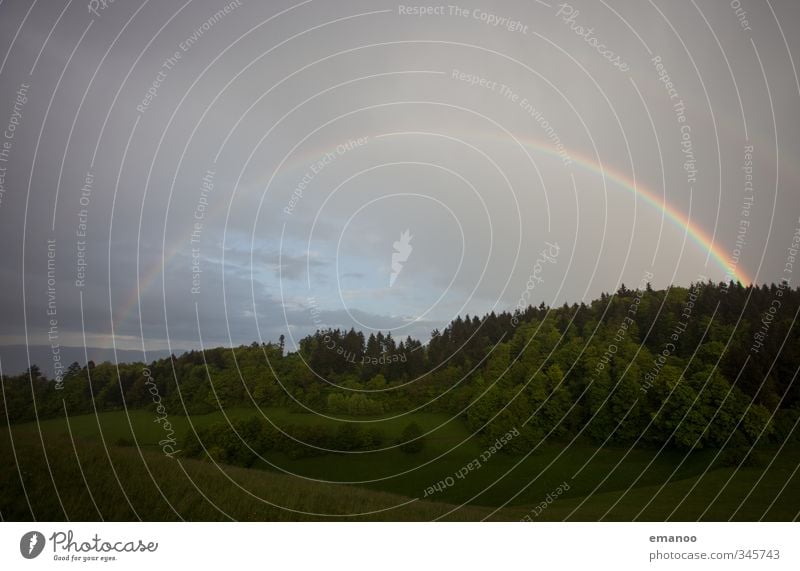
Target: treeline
x=709 y=365
x=244 y=442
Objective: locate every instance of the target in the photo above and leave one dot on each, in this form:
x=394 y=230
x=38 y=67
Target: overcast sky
x=284 y=148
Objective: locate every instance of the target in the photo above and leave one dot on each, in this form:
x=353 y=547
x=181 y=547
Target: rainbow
x=674 y=215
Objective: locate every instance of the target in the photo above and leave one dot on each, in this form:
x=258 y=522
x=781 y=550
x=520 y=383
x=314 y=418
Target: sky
x=188 y=174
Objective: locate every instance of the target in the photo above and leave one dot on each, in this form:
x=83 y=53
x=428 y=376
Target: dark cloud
x=318 y=162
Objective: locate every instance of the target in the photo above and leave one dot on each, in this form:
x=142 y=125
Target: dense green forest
x=711 y=365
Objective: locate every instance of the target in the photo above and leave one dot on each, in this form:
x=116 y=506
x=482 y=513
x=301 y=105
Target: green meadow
x=546 y=414
x=610 y=483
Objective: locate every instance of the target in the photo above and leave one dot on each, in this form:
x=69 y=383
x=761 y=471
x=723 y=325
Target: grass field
x=610 y=483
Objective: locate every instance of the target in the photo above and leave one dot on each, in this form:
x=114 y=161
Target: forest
x=711 y=365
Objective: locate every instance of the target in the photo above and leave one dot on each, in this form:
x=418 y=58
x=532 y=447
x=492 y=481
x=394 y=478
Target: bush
x=412 y=439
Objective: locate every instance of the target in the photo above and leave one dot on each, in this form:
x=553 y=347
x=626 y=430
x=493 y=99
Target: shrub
x=412 y=439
